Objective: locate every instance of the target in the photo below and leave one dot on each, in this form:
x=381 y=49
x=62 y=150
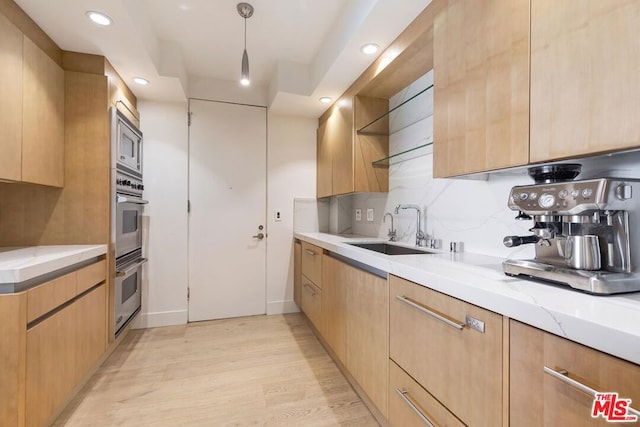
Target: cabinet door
x=43 y=118
x=341 y=134
x=311 y=302
x=369 y=147
x=368 y=334
x=324 y=172
x=539 y=399
x=312 y=263
x=459 y=365
x=297 y=272
x=91 y=338
x=335 y=279
x=51 y=346
x=11 y=105
x=585 y=91
x=481 y=97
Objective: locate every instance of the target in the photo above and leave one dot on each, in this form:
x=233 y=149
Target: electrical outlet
x=370 y=214
x=358 y=214
x=277 y=216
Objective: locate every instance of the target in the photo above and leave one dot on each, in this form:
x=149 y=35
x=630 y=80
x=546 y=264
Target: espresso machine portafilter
x=582 y=231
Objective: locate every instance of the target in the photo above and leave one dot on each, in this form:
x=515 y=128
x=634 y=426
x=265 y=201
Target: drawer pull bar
x=310 y=252
x=409 y=401
x=313 y=291
x=425 y=310
x=563 y=376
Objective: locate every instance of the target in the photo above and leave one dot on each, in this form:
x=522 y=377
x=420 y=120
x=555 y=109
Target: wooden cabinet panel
x=481 y=97
x=336 y=276
x=43 y=118
x=448 y=362
x=91 y=330
x=409 y=403
x=538 y=399
x=44 y=298
x=13 y=332
x=91 y=275
x=312 y=263
x=324 y=169
x=312 y=302
x=51 y=357
x=297 y=272
x=367 y=351
x=585 y=92
x=341 y=134
x=11 y=105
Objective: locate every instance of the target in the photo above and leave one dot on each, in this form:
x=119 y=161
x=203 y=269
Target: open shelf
x=402 y=156
x=379 y=126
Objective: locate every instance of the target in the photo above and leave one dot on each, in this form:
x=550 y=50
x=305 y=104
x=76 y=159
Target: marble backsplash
x=471 y=211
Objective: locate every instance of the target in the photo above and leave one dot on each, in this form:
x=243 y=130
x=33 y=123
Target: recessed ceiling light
x=99 y=18
x=325 y=100
x=369 y=48
x=141 y=81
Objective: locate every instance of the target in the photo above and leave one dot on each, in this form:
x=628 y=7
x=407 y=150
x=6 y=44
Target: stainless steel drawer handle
x=409 y=401
x=563 y=375
x=454 y=324
x=310 y=288
x=310 y=252
x=130 y=268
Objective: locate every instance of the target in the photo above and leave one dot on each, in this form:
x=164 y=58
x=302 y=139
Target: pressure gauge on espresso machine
x=546 y=200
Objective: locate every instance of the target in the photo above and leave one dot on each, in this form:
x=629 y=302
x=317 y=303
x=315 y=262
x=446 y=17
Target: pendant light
x=246 y=11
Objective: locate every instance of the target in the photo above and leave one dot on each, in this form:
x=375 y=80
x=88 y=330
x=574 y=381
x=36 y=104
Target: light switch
x=370 y=214
x=358 y=214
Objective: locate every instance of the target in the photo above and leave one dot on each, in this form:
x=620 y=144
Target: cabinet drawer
x=534 y=388
x=312 y=263
x=411 y=405
x=91 y=275
x=431 y=341
x=312 y=302
x=44 y=298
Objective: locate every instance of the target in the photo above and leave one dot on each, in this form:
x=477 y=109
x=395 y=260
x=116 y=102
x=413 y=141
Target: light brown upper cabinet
x=344 y=157
x=11 y=105
x=43 y=118
x=585 y=91
x=32 y=111
x=481 y=81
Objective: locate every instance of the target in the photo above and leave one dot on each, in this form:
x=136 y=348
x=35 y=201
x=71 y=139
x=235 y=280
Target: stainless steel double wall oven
x=127 y=209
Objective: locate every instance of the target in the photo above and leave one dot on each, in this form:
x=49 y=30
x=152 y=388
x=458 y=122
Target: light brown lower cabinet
x=545 y=376
x=335 y=276
x=431 y=339
x=61 y=351
x=297 y=273
x=411 y=405
x=311 y=301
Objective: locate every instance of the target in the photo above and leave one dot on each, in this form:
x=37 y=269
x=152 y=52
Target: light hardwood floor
x=262 y=370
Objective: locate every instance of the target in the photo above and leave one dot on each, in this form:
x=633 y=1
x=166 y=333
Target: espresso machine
x=582 y=230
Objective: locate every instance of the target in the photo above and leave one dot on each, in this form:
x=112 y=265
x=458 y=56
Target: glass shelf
x=400 y=157
x=379 y=126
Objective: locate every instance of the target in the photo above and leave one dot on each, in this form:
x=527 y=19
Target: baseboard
x=282 y=307
x=162 y=318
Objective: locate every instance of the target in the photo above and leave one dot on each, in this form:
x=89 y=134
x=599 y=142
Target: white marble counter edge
x=606 y=323
x=40 y=260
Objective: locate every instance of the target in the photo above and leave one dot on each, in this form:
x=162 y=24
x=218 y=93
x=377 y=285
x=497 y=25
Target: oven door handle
x=129 y=269
x=129 y=199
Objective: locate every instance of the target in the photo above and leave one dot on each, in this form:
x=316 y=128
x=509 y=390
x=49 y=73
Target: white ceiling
x=299 y=50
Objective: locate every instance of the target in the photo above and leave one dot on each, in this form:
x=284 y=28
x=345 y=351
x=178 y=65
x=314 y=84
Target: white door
x=227 y=193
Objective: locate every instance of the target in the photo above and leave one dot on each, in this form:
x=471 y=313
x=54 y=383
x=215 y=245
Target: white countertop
x=21 y=264
x=608 y=323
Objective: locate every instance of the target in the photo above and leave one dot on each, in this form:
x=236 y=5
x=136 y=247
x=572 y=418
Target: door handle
x=259 y=236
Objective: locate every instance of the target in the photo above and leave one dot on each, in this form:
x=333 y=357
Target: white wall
x=164 y=126
x=291 y=172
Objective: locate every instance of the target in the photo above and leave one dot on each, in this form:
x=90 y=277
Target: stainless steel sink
x=389 y=249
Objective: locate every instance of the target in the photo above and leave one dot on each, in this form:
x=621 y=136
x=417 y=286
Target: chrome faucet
x=392 y=231
x=421 y=238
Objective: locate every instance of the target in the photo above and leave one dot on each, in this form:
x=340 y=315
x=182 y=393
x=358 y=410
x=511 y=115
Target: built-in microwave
x=128 y=144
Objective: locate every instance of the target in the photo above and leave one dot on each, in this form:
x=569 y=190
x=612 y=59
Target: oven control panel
x=128 y=185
